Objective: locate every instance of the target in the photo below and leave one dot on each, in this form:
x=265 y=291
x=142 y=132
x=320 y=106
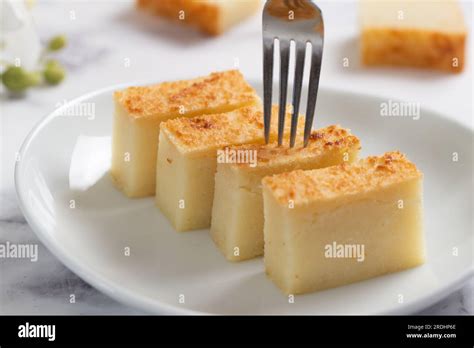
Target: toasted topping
x=320 y=184
x=320 y=141
x=210 y=132
x=218 y=90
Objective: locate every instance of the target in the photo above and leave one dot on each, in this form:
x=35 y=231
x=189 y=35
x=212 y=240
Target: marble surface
x=111 y=43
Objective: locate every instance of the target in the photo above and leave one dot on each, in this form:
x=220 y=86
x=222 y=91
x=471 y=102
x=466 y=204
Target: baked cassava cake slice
x=416 y=33
x=212 y=17
x=342 y=224
x=237 y=215
x=140 y=110
x=187 y=159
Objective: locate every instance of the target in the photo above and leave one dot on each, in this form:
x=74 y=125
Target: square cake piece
x=237 y=215
x=212 y=17
x=187 y=159
x=140 y=110
x=416 y=33
x=342 y=224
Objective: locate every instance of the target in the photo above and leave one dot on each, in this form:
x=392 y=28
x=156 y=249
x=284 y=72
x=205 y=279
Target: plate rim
x=153 y=306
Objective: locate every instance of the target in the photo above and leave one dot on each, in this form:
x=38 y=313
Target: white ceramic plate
x=69 y=201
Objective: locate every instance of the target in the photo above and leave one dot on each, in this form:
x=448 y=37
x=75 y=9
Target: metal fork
x=300 y=21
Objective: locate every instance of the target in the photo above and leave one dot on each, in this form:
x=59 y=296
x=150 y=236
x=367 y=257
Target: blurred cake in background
x=212 y=17
x=417 y=33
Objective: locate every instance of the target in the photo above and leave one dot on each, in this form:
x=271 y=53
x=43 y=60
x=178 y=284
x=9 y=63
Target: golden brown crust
x=321 y=141
x=429 y=34
x=373 y=172
x=227 y=89
x=413 y=48
x=201 y=133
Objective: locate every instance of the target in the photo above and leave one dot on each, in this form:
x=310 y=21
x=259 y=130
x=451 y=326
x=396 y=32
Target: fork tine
x=284 y=63
x=268 y=45
x=312 y=91
x=300 y=49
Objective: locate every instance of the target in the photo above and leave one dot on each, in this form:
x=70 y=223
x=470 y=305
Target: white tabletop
x=110 y=43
